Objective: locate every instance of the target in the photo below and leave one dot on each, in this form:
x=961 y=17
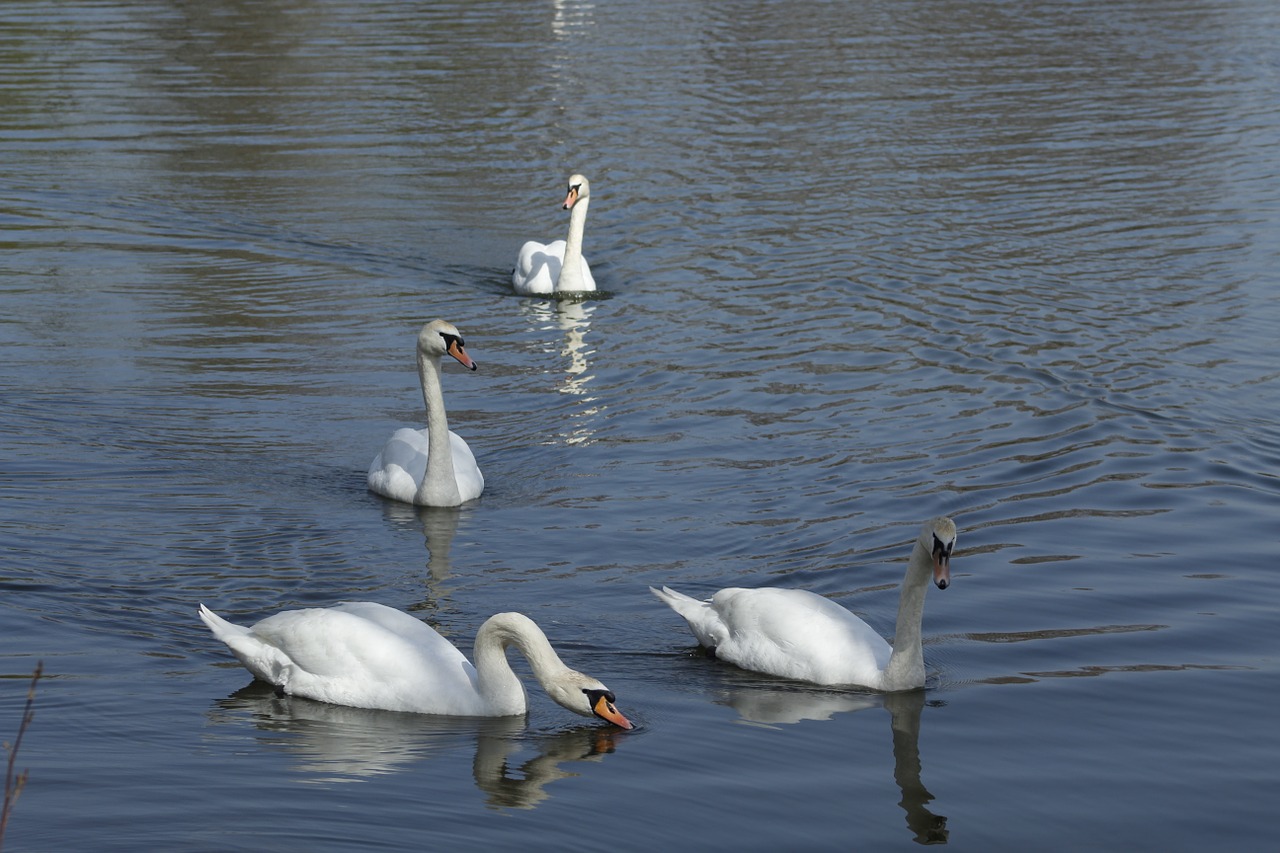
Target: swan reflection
x=335 y=743
x=572 y=319
x=438 y=524
x=772 y=707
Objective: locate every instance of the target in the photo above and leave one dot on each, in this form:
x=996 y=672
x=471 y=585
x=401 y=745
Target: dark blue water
x=860 y=265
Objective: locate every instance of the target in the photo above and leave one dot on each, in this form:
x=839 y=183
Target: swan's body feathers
x=791 y=633
x=397 y=471
x=538 y=267
x=360 y=654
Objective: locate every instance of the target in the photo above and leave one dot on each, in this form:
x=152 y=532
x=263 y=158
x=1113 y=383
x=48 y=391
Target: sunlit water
x=861 y=264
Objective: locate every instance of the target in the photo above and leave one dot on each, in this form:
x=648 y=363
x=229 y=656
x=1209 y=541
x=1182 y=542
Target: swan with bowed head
x=368 y=655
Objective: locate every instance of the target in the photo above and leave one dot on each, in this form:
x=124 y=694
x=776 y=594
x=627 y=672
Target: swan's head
x=439 y=338
x=583 y=695
x=579 y=190
x=938 y=537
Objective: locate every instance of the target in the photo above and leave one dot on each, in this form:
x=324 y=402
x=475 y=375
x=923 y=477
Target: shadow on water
x=770 y=707
x=334 y=743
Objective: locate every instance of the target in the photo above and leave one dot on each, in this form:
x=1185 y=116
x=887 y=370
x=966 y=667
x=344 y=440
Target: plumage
x=796 y=634
x=432 y=466
x=367 y=655
x=558 y=266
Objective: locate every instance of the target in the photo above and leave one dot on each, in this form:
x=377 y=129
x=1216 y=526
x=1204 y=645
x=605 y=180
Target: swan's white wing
x=785 y=632
x=465 y=469
x=538 y=267
x=398 y=470
x=797 y=634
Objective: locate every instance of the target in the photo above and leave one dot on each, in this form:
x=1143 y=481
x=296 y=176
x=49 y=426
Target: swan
x=796 y=634
x=558 y=267
x=368 y=655
x=432 y=466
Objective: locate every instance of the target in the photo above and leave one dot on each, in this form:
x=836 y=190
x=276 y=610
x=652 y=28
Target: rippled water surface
x=861 y=264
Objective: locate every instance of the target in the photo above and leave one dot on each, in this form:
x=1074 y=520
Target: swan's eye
x=450 y=340
x=943 y=548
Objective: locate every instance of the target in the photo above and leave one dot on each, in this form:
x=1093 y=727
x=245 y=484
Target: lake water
x=861 y=264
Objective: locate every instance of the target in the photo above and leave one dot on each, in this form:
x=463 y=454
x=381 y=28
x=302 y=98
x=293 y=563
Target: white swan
x=797 y=634
x=368 y=655
x=558 y=267
x=432 y=466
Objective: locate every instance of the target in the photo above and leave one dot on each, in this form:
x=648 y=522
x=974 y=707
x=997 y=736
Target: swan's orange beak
x=460 y=353
x=604 y=710
x=571 y=199
x=941 y=566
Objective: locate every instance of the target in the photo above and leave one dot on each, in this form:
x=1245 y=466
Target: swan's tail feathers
x=678 y=601
x=221 y=628
x=703 y=621
x=262 y=659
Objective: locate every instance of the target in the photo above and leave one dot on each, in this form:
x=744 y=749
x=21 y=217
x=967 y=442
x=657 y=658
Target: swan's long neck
x=439 y=486
x=497 y=683
x=906 y=664
x=571 y=267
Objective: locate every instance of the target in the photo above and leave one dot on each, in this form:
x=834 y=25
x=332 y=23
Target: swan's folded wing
x=399 y=468
x=798 y=634
x=538 y=266
x=359 y=655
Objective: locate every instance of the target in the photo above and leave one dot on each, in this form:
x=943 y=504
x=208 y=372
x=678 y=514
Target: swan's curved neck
x=571 y=266
x=439 y=485
x=496 y=682
x=906 y=664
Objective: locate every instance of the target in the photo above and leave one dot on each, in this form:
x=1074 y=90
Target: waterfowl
x=432 y=466
x=558 y=266
x=367 y=655
x=796 y=634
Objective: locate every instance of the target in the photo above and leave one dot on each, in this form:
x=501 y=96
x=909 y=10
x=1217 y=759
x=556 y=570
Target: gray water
x=861 y=264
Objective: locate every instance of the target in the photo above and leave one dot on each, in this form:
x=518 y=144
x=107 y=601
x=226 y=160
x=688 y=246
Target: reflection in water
x=571 y=17
x=439 y=524
x=334 y=743
x=781 y=707
x=573 y=318
x=494 y=754
x=904 y=710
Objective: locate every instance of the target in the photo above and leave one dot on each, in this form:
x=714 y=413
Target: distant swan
x=796 y=634
x=432 y=466
x=368 y=655
x=558 y=267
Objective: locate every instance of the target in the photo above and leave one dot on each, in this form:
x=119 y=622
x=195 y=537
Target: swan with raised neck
x=431 y=467
x=797 y=634
x=559 y=266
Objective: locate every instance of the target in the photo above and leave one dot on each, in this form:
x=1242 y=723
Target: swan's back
x=790 y=633
x=361 y=654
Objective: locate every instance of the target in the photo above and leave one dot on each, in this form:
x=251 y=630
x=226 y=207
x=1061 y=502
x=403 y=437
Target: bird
x=367 y=655
x=558 y=266
x=797 y=634
x=432 y=466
